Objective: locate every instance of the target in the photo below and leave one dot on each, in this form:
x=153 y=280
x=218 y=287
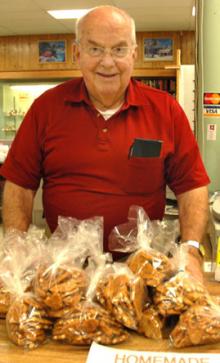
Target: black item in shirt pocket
x=143 y=148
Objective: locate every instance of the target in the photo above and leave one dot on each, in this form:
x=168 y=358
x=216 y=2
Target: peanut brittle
x=60 y=288
x=5 y=298
x=27 y=323
x=123 y=297
x=151 y=323
x=178 y=294
x=88 y=323
x=151 y=265
x=200 y=324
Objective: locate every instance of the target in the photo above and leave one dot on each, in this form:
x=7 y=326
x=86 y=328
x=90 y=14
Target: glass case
x=15 y=99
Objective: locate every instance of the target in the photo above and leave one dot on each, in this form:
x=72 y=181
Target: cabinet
x=15 y=99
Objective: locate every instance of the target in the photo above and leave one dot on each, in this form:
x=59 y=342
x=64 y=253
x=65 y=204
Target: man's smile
x=106 y=75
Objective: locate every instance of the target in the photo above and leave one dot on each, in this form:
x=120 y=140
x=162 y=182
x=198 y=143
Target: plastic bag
x=61 y=281
x=87 y=321
x=137 y=237
x=5 y=300
x=5 y=297
x=141 y=232
x=87 y=233
x=25 y=320
x=165 y=236
x=134 y=234
x=151 y=323
x=151 y=265
x=179 y=293
x=200 y=324
x=123 y=294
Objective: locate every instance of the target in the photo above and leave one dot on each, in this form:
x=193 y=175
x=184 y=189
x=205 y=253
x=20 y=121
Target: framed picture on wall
x=52 y=51
x=158 y=49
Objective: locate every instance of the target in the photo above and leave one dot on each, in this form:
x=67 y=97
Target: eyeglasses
x=115 y=52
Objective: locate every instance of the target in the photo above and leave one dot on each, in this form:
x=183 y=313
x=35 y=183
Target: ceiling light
x=194 y=11
x=68 y=14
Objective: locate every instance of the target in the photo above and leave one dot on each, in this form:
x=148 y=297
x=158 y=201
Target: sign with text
x=100 y=353
x=211 y=111
x=211 y=132
x=211 y=104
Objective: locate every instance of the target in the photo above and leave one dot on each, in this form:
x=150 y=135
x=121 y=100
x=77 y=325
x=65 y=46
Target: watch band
x=197 y=245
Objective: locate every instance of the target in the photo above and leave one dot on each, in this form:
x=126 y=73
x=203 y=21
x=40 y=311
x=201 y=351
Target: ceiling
x=20 y=17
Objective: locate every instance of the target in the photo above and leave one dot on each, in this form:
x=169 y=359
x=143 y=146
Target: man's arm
x=193 y=216
x=17 y=206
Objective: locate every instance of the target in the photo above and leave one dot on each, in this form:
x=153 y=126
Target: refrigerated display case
x=15 y=99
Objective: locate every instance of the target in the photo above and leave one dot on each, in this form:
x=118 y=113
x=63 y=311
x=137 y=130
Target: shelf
x=40 y=74
x=59 y=74
x=154 y=72
x=167 y=84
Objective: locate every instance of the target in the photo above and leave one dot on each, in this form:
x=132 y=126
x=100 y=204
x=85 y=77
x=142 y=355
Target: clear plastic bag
x=165 y=236
x=200 y=324
x=137 y=237
x=87 y=321
x=25 y=320
x=86 y=234
x=61 y=281
x=5 y=296
x=5 y=300
x=130 y=236
x=151 y=323
x=140 y=232
x=122 y=294
x=179 y=293
x=151 y=265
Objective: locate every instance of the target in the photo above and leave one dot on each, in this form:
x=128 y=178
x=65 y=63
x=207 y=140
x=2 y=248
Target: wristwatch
x=196 y=245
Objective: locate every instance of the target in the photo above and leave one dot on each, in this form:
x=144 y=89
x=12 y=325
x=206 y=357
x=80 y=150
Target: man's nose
x=107 y=57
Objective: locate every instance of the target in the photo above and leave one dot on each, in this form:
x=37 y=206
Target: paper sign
x=99 y=353
x=211 y=132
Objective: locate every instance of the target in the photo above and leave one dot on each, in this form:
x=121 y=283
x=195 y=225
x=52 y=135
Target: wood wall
x=19 y=55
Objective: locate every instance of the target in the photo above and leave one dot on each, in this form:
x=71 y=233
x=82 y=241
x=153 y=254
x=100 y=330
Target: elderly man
x=78 y=136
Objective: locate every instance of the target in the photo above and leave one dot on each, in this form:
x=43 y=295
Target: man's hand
x=194 y=266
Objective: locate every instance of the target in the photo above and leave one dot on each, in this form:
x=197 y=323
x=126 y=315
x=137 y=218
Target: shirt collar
x=134 y=94
x=78 y=92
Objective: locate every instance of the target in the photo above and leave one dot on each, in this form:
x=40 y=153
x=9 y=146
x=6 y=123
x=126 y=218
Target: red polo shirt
x=83 y=159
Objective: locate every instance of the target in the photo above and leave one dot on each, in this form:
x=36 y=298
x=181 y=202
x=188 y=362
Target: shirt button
x=105 y=130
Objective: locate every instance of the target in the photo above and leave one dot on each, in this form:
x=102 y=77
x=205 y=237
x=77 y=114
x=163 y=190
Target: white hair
x=80 y=21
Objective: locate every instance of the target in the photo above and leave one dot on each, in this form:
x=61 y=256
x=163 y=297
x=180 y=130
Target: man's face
x=106 y=72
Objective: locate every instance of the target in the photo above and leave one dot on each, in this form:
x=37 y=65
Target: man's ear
x=135 y=52
x=76 y=52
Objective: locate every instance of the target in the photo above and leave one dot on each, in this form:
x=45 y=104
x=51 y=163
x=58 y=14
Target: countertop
x=61 y=353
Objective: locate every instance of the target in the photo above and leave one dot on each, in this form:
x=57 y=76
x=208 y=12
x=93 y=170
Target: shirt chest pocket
x=144 y=175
